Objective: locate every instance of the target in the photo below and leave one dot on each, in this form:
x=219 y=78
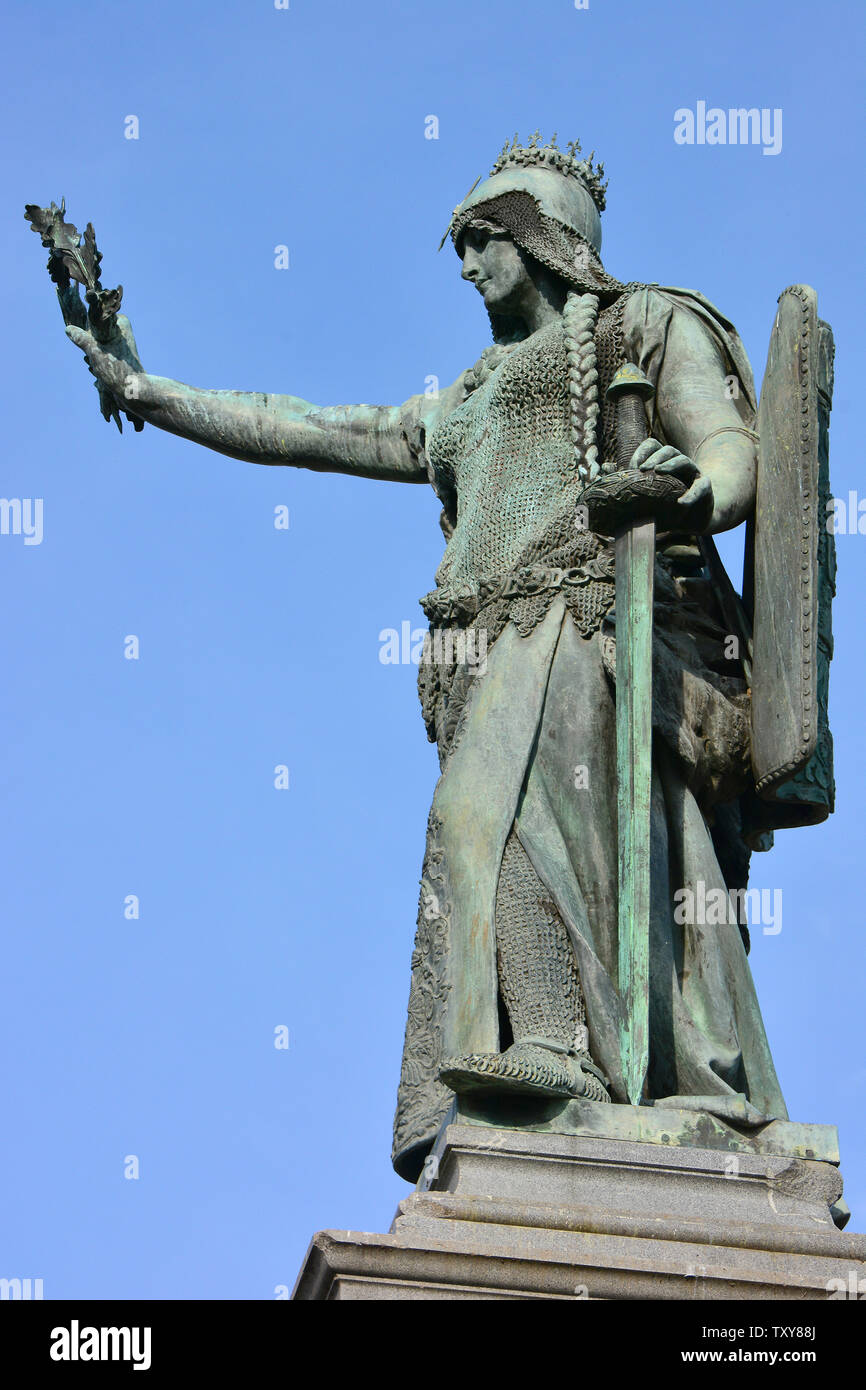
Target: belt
x=464 y=604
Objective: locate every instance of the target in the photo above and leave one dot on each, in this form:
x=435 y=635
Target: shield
x=793 y=571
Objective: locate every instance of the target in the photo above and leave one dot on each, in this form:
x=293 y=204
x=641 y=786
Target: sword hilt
x=630 y=390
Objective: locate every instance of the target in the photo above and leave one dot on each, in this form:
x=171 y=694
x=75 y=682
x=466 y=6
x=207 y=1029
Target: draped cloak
x=527 y=741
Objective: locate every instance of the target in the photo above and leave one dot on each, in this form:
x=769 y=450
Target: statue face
x=496 y=267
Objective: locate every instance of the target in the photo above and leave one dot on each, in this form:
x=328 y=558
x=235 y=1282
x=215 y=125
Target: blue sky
x=305 y=127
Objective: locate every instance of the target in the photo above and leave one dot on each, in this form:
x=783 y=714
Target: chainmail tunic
x=504 y=464
x=508 y=455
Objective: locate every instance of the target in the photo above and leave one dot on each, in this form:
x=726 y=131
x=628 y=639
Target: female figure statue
x=514 y=975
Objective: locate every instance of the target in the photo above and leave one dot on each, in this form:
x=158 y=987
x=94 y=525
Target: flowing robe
x=527 y=741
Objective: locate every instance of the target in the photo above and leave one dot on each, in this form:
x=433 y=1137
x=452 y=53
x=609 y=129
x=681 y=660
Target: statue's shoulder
x=648 y=304
x=640 y=315
x=649 y=313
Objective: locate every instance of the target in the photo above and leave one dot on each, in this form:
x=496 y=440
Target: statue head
x=546 y=203
x=505 y=275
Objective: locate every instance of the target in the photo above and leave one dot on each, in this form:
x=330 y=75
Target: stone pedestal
x=580 y=1208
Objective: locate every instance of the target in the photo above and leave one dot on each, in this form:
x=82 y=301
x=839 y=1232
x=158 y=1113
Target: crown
x=549 y=156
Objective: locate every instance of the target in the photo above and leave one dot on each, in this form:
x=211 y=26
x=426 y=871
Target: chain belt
x=463 y=605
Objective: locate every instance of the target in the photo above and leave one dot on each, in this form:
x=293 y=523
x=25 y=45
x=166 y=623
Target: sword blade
x=635 y=564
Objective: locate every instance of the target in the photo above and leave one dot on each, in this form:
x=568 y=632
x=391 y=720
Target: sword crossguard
x=641 y=494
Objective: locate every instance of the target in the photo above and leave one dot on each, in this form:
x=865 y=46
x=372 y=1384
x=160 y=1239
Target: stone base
x=732 y=1124
x=505 y=1214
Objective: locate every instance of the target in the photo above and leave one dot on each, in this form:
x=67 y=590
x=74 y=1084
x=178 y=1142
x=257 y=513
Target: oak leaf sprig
x=75 y=259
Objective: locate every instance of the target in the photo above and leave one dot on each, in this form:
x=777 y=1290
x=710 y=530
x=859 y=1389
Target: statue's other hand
x=123 y=382
x=696 y=503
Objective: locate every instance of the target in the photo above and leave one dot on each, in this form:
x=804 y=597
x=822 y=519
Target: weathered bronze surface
x=792 y=753
x=625 y=741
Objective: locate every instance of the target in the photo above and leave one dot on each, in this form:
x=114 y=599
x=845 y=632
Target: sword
x=635 y=545
x=635 y=565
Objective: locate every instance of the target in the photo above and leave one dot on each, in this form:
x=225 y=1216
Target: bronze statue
x=594 y=448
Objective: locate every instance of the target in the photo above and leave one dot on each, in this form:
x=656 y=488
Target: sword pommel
x=630 y=378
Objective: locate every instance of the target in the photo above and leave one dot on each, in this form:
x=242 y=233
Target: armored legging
x=538 y=977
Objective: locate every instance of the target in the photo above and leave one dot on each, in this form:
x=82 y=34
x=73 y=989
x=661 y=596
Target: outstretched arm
x=366 y=440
